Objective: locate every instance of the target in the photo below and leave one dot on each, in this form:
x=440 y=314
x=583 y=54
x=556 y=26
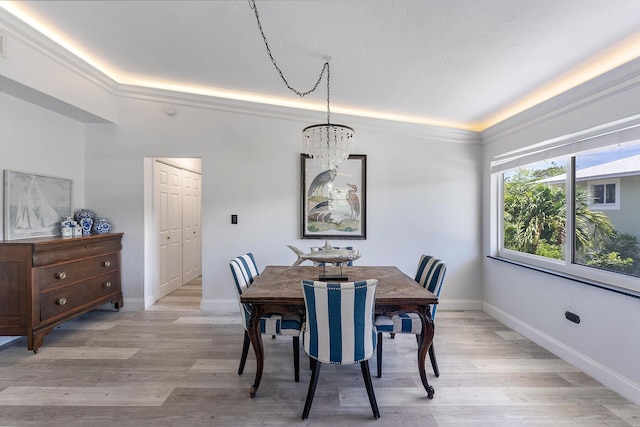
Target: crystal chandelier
x=328 y=143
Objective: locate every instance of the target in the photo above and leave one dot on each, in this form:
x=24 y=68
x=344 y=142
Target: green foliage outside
x=535 y=223
x=616 y=253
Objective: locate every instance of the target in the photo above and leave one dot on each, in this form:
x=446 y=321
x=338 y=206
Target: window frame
x=608 y=181
x=561 y=149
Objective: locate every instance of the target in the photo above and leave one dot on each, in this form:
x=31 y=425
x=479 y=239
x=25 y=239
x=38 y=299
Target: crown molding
x=617 y=81
x=435 y=133
x=38 y=41
x=27 y=34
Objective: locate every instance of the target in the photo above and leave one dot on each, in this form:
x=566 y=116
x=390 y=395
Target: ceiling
x=458 y=63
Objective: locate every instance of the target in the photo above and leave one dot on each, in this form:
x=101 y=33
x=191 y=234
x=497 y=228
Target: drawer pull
x=107 y=264
x=61 y=275
x=61 y=301
x=107 y=284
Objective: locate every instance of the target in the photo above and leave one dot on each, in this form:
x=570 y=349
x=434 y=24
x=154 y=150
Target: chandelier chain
x=252 y=3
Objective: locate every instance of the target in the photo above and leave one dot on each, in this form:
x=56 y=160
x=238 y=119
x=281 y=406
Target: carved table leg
x=426 y=338
x=256 y=341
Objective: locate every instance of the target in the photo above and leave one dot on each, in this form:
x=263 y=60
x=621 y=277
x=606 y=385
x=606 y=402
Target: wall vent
x=3 y=44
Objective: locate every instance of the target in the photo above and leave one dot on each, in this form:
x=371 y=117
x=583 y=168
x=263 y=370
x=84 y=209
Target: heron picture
x=334 y=200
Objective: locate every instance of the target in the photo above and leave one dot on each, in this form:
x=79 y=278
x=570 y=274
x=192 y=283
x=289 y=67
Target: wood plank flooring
x=175 y=366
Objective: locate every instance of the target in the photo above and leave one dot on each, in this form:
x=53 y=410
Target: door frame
x=150 y=250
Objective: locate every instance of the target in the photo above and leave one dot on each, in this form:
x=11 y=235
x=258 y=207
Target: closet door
x=192 y=241
x=168 y=208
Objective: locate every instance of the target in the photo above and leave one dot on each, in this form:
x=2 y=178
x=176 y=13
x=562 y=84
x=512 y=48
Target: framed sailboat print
x=34 y=204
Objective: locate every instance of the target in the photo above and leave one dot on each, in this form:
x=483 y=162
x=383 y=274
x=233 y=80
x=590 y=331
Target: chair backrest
x=430 y=275
x=322 y=264
x=339 y=324
x=245 y=271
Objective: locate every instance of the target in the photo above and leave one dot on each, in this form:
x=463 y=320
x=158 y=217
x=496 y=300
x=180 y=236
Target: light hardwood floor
x=175 y=366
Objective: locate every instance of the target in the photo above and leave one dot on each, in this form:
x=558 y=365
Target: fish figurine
x=328 y=255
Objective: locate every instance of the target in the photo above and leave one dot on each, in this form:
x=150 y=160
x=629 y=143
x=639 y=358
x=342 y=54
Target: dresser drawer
x=62 y=300
x=62 y=274
x=66 y=249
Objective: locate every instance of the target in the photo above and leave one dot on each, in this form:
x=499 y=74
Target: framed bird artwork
x=333 y=201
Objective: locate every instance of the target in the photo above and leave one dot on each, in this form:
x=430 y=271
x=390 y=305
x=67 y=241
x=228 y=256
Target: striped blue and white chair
x=245 y=270
x=339 y=329
x=430 y=275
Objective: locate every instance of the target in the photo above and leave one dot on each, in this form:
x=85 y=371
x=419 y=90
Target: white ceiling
x=451 y=62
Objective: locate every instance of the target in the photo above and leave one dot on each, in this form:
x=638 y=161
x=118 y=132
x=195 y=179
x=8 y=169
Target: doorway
x=177 y=230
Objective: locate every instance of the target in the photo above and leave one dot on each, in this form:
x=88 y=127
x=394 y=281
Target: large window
x=535 y=209
x=576 y=211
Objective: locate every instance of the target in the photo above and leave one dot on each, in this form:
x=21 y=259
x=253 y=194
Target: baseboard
x=134 y=304
x=621 y=385
x=6 y=341
x=459 y=305
x=219 y=306
x=149 y=301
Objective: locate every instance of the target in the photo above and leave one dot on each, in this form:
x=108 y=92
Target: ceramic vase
x=85 y=213
x=86 y=224
x=101 y=226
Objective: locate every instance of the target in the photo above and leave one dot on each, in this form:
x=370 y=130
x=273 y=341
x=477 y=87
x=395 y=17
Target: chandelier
x=327 y=142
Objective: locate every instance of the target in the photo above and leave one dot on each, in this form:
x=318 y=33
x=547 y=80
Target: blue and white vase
x=67 y=222
x=66 y=230
x=101 y=226
x=86 y=224
x=66 y=226
x=85 y=213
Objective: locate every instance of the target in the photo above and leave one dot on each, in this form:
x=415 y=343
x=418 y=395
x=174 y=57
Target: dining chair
x=430 y=275
x=339 y=329
x=322 y=264
x=245 y=270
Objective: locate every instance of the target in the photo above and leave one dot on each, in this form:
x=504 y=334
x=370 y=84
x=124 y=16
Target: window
x=535 y=209
x=573 y=208
x=607 y=231
x=603 y=194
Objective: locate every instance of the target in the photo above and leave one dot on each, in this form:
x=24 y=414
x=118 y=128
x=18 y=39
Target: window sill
x=573 y=278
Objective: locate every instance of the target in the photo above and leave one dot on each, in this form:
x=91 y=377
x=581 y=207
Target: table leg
x=426 y=338
x=256 y=342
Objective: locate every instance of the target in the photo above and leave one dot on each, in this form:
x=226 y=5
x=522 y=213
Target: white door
x=192 y=205
x=168 y=208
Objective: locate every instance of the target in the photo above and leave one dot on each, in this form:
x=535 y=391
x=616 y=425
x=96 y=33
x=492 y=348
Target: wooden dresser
x=49 y=280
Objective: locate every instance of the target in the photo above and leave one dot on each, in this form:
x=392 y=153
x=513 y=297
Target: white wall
x=36 y=140
x=423 y=183
x=606 y=344
x=423 y=195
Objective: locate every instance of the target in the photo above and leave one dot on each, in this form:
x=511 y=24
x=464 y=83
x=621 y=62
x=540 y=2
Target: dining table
x=278 y=290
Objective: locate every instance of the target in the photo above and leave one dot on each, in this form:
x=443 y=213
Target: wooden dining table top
x=282 y=285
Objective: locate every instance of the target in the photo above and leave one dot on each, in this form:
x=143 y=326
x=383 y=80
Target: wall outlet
x=572 y=317
x=234 y=219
